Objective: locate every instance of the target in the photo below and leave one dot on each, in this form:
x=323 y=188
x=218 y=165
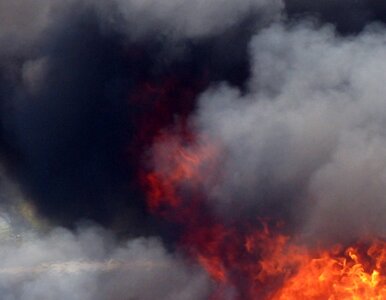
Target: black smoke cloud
x=349 y=17
x=69 y=127
x=78 y=84
x=85 y=86
x=66 y=120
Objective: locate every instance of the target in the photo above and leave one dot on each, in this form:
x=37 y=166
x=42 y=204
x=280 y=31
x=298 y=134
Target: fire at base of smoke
x=247 y=136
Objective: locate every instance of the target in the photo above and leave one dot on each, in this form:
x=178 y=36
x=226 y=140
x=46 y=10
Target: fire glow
x=253 y=260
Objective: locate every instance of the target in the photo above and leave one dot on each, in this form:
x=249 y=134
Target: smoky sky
x=69 y=132
x=69 y=127
x=293 y=90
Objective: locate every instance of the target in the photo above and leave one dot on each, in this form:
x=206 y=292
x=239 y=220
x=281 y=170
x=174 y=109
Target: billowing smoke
x=89 y=264
x=307 y=138
x=78 y=84
x=291 y=91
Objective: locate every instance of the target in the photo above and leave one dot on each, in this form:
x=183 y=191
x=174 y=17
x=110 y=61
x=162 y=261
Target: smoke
x=296 y=105
x=70 y=129
x=306 y=141
x=22 y=21
x=70 y=76
x=71 y=139
x=349 y=17
x=89 y=264
x=192 y=18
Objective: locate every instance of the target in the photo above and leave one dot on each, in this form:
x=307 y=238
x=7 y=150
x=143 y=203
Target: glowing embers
x=251 y=259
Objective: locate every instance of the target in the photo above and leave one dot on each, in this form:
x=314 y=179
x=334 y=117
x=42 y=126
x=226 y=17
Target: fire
x=357 y=273
x=179 y=167
x=251 y=260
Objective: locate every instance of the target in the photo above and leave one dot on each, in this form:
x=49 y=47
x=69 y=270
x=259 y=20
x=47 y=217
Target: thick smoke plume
x=78 y=82
x=308 y=135
x=292 y=91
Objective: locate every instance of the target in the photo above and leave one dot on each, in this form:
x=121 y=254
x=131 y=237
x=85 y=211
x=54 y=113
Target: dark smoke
x=349 y=17
x=294 y=91
x=69 y=132
x=70 y=122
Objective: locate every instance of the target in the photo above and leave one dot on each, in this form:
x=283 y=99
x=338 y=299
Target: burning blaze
x=356 y=273
x=253 y=260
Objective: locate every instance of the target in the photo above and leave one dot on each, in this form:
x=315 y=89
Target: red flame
x=178 y=169
x=252 y=260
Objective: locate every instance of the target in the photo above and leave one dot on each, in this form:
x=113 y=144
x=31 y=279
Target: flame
x=178 y=167
x=357 y=273
x=253 y=259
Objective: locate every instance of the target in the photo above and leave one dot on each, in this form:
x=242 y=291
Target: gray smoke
x=67 y=71
x=90 y=265
x=183 y=18
x=308 y=136
x=54 y=56
x=22 y=21
x=303 y=141
x=38 y=261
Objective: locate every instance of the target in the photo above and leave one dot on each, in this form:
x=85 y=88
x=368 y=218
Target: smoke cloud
x=89 y=264
x=307 y=139
x=70 y=74
x=192 y=18
x=293 y=91
x=22 y=22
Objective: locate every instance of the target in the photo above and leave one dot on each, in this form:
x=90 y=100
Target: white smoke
x=39 y=261
x=90 y=265
x=308 y=136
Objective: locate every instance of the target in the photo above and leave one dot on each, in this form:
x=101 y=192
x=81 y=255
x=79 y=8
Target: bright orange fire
x=357 y=273
x=254 y=260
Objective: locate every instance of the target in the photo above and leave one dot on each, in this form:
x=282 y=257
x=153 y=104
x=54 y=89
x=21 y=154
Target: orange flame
x=358 y=273
x=255 y=260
